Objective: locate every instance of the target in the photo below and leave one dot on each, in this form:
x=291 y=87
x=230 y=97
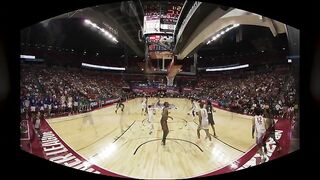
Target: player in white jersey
x=158 y=104
x=151 y=113
x=193 y=109
x=259 y=126
x=37 y=124
x=144 y=105
x=69 y=104
x=203 y=121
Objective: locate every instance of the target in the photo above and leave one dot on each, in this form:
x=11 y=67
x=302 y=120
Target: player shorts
x=204 y=125
x=49 y=106
x=211 y=121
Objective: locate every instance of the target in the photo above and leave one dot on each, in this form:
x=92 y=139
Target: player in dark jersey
x=163 y=122
x=268 y=115
x=33 y=104
x=210 y=111
x=21 y=108
x=120 y=105
x=40 y=105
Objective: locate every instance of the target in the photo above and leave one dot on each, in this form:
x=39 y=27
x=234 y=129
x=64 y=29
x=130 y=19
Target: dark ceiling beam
x=134 y=9
x=125 y=37
x=111 y=10
x=100 y=15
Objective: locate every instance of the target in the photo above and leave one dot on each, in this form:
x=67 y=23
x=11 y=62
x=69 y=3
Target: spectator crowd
x=63 y=91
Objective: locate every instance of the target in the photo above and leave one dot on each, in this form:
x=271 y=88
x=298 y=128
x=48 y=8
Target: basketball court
x=168 y=50
x=133 y=152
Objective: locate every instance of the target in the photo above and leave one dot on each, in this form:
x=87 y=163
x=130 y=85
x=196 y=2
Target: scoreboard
x=160 y=20
x=161 y=17
x=159 y=42
x=151 y=25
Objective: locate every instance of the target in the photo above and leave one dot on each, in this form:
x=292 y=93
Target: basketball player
x=163 y=122
x=56 y=106
x=158 y=104
x=203 y=121
x=271 y=123
x=62 y=103
x=88 y=119
x=26 y=105
x=193 y=109
x=21 y=108
x=37 y=124
x=69 y=104
x=75 y=105
x=120 y=105
x=144 y=105
x=40 y=104
x=122 y=117
x=33 y=107
x=151 y=113
x=210 y=111
x=259 y=126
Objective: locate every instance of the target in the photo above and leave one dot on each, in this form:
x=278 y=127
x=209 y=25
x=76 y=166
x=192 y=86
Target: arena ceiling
x=125 y=20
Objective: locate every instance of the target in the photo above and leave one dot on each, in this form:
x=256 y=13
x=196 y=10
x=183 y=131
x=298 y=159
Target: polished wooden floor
x=121 y=142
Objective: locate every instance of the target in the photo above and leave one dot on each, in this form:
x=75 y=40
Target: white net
x=170 y=80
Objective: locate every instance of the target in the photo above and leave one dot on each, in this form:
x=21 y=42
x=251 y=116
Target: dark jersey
x=46 y=100
x=40 y=103
x=165 y=114
x=33 y=102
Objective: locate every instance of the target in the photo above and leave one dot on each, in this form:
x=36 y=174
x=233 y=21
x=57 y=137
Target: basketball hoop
x=170 y=80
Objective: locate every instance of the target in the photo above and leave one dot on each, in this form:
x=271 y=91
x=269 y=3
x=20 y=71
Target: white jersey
x=193 y=106
x=259 y=124
x=27 y=103
x=144 y=102
x=151 y=113
x=204 y=118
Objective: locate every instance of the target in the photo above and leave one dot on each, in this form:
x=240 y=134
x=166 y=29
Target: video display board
x=161 y=17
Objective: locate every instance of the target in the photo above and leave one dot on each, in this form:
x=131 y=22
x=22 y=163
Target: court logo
x=271 y=147
x=56 y=152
